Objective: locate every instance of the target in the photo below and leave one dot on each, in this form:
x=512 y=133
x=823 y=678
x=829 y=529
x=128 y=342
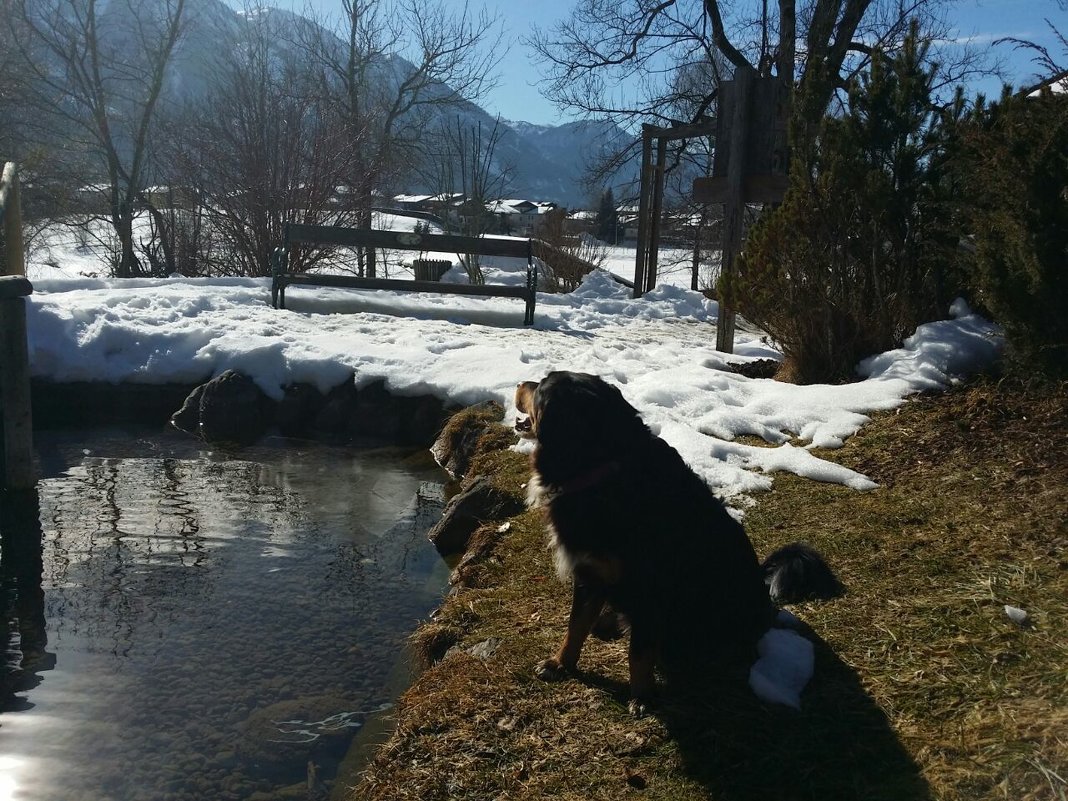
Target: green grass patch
x=923 y=689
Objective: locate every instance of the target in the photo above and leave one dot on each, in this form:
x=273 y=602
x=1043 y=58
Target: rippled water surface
x=204 y=625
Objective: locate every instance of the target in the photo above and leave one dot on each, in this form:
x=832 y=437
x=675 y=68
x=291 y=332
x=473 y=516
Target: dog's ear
x=524 y=396
x=524 y=404
x=583 y=417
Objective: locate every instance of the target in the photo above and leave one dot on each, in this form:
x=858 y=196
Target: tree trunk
x=697 y=241
x=122 y=219
x=166 y=236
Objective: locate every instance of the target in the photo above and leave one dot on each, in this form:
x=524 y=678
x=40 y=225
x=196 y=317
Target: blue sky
x=517 y=97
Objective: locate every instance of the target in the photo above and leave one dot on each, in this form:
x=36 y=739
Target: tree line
x=291 y=119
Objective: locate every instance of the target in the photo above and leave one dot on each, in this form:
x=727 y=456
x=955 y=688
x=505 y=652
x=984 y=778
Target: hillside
x=543 y=162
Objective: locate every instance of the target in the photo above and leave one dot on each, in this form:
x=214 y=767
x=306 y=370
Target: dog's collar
x=588 y=478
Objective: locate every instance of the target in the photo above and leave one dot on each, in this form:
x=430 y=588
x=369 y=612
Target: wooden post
x=749 y=166
x=734 y=204
x=653 y=257
x=651 y=202
x=641 y=257
x=17 y=430
x=11 y=212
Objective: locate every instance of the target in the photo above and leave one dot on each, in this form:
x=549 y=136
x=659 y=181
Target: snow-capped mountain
x=542 y=162
x=553 y=158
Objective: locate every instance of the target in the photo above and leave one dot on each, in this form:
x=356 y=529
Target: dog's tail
x=797 y=572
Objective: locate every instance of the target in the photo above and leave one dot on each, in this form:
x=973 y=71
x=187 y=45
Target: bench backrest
x=406 y=240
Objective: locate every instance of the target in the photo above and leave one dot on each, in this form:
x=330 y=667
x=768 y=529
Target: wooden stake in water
x=16 y=431
x=11 y=213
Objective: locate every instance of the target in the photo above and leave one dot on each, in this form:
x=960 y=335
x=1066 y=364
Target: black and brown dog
x=634 y=527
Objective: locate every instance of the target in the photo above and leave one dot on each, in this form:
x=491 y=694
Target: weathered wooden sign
x=749 y=166
x=763 y=141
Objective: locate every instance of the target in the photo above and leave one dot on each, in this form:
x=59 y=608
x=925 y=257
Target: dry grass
x=924 y=689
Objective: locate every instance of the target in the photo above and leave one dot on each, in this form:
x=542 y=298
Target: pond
x=201 y=624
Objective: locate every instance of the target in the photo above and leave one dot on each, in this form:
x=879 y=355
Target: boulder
x=187 y=418
x=337 y=410
x=288 y=733
x=377 y=414
x=480 y=545
x=479 y=503
x=229 y=408
x=403 y=419
x=458 y=441
x=423 y=419
x=297 y=411
x=233 y=409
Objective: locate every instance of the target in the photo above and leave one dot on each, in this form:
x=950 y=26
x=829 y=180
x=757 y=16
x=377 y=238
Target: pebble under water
x=180 y=623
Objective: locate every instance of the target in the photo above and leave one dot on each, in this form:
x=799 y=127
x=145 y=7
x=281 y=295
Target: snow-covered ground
x=659 y=349
x=80 y=248
x=674 y=265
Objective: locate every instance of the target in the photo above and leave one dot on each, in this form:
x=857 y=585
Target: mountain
x=553 y=158
x=543 y=162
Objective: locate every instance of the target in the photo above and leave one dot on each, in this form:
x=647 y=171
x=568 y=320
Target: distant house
x=506 y=216
x=520 y=217
x=628 y=221
x=580 y=222
x=435 y=204
x=515 y=216
x=91 y=199
x=172 y=197
x=411 y=202
x=351 y=197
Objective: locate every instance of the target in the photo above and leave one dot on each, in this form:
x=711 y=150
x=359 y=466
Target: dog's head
x=524 y=404
x=577 y=419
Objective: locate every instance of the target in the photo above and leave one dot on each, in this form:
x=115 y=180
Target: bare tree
x=1049 y=64
x=259 y=150
x=11 y=92
x=388 y=69
x=464 y=165
x=97 y=71
x=661 y=62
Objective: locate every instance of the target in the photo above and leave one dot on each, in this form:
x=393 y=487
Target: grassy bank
x=924 y=688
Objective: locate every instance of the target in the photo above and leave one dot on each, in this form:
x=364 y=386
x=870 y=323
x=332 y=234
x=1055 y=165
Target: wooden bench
x=299 y=234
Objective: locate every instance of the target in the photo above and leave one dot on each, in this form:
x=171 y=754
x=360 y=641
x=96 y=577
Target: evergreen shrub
x=857 y=254
x=1015 y=169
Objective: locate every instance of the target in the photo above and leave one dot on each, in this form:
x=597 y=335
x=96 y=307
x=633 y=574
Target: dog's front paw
x=550 y=670
x=640 y=707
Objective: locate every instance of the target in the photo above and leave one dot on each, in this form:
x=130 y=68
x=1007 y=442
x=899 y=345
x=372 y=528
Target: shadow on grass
x=839 y=746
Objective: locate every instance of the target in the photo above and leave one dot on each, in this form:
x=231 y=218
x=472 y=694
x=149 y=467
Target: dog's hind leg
x=587 y=601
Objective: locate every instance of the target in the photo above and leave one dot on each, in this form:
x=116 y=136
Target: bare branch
x=82 y=80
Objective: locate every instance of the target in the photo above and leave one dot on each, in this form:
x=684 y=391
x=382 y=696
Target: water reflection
x=22 y=622
x=188 y=625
